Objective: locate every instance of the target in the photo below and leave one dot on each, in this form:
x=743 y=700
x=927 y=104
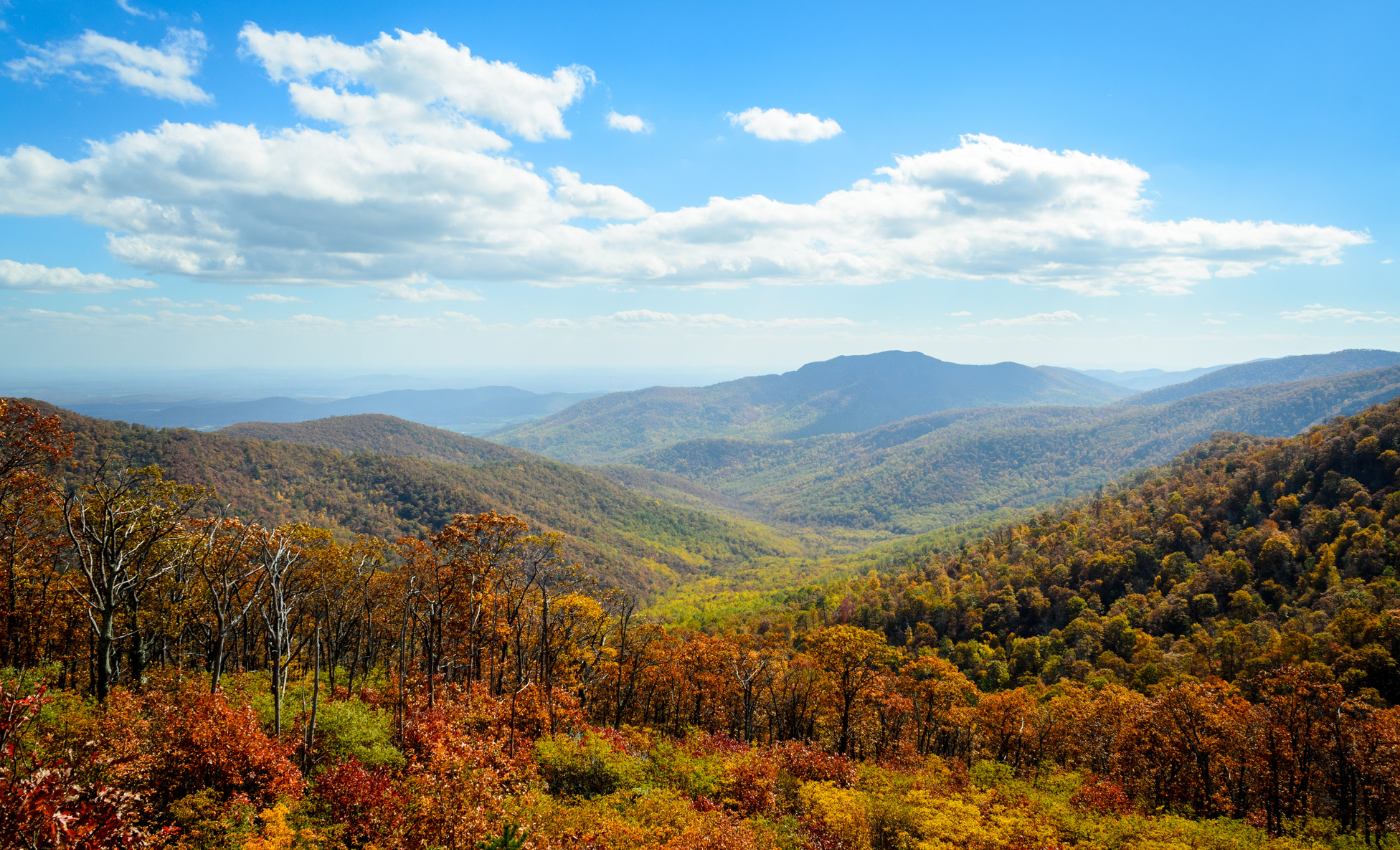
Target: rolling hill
x=842 y=395
x=625 y=539
x=377 y=432
x=933 y=471
x=1261 y=372
x=475 y=411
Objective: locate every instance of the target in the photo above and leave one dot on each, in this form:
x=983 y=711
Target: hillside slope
x=1281 y=370
x=623 y=538
x=842 y=395
x=931 y=471
x=475 y=410
x=1244 y=555
x=388 y=435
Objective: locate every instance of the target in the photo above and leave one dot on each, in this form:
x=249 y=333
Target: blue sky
x=345 y=186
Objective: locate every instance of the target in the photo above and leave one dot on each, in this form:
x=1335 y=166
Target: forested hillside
x=931 y=471
x=842 y=395
x=388 y=435
x=1204 y=658
x=623 y=538
x=1276 y=371
x=1245 y=555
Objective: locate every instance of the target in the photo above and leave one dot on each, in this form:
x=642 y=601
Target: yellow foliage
x=277 y=834
x=841 y=810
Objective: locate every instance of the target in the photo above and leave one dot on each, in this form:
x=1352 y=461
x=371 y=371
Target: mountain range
x=841 y=395
x=474 y=411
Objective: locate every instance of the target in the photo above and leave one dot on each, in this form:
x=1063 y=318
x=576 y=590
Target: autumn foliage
x=1203 y=659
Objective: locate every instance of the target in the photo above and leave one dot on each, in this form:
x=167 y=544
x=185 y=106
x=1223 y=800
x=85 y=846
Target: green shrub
x=585 y=766
x=352 y=729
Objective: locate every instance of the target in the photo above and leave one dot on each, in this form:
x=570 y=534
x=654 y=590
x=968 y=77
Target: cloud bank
x=408 y=177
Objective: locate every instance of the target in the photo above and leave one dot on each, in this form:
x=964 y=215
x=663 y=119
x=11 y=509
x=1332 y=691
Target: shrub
x=585 y=765
x=350 y=729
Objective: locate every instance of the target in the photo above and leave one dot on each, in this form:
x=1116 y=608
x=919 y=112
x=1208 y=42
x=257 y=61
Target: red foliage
x=367 y=802
x=42 y=805
x=1102 y=797
x=813 y=764
x=816 y=835
x=752 y=785
x=186 y=740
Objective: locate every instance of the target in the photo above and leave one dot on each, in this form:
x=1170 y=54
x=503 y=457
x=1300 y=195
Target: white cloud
x=461 y=317
x=1387 y=262
x=1212 y=322
x=431 y=198
x=130 y=8
x=276 y=298
x=630 y=123
x=1317 y=312
x=421 y=86
x=163 y=71
x=318 y=321
x=1059 y=317
x=552 y=323
x=33 y=277
x=171 y=303
x=419 y=290
x=961 y=313
x=596 y=201
x=712 y=320
x=779 y=125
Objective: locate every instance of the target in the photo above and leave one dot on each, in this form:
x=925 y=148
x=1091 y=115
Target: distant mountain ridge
x=1261 y=372
x=378 y=432
x=1142 y=380
x=841 y=395
x=932 y=471
x=476 y=410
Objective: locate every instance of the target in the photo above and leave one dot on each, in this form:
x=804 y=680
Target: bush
x=585 y=765
x=350 y=729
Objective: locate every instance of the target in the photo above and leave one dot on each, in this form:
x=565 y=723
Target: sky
x=692 y=190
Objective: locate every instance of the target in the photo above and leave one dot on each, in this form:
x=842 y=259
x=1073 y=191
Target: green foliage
x=351 y=729
x=586 y=765
x=843 y=395
x=512 y=837
x=933 y=471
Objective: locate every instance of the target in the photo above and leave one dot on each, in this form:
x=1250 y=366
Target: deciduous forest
x=1199 y=656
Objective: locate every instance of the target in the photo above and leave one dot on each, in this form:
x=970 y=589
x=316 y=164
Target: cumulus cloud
x=163 y=71
x=433 y=197
x=961 y=313
x=596 y=201
x=33 y=277
x=418 y=84
x=630 y=123
x=779 y=125
x=276 y=298
x=1317 y=313
x=1059 y=317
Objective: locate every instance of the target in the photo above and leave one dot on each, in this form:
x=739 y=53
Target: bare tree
x=233 y=578
x=126 y=530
